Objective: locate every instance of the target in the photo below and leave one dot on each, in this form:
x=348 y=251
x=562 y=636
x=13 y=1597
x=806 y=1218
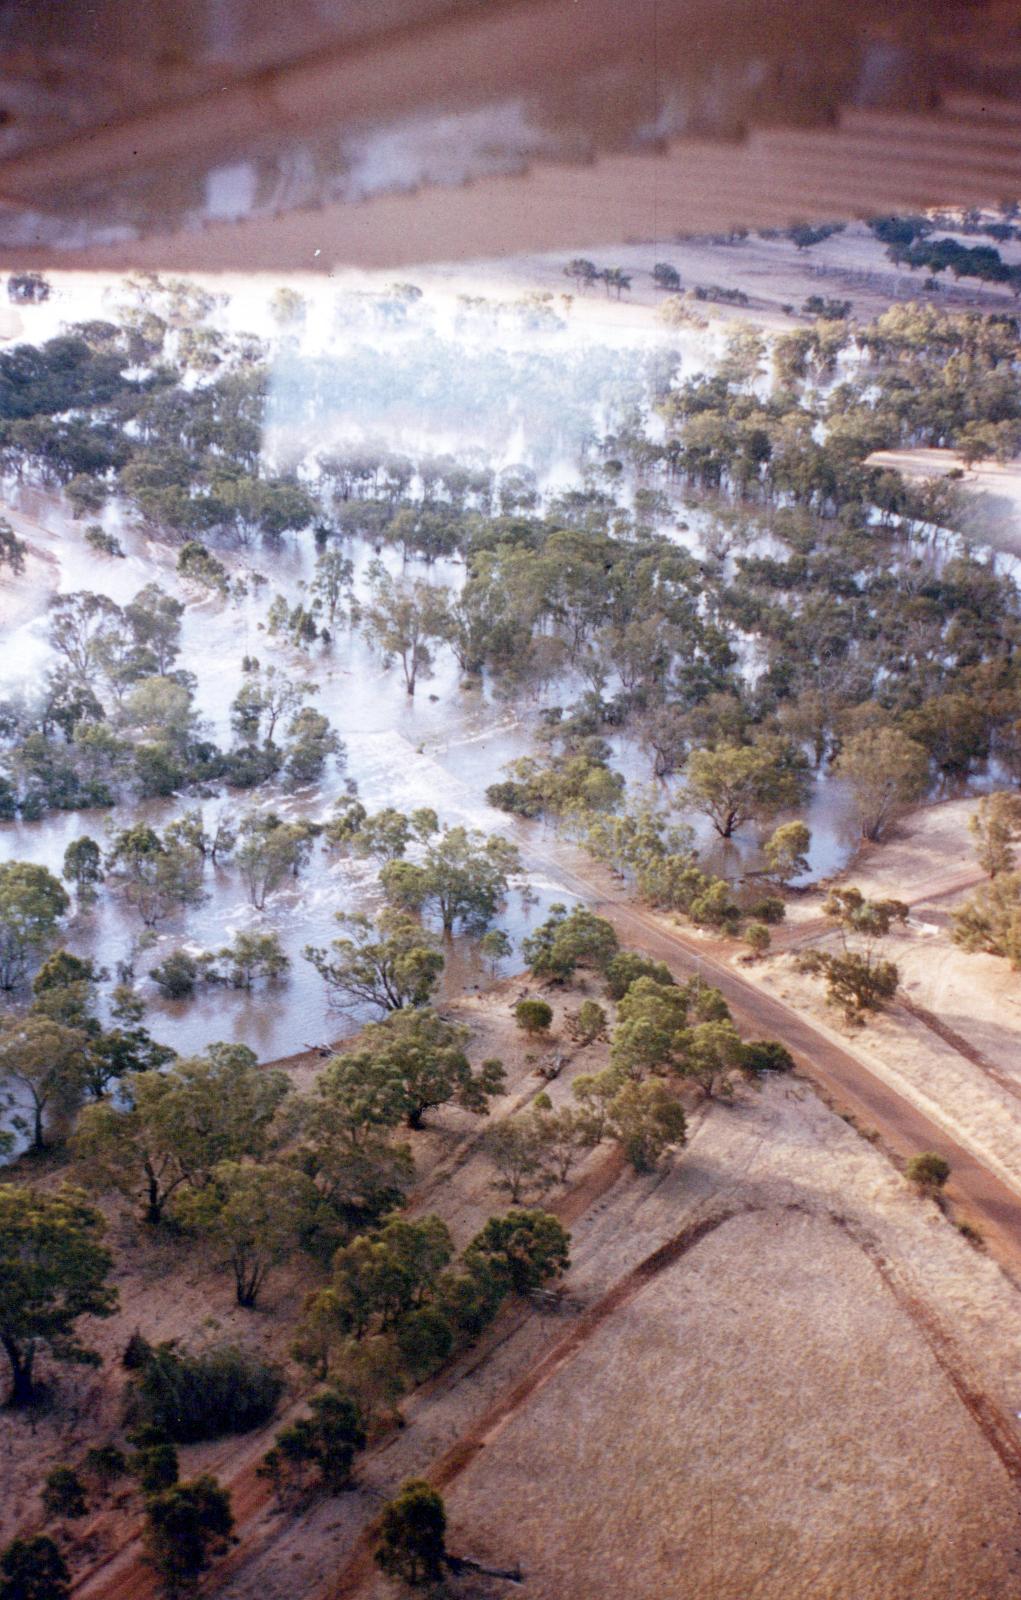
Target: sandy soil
x=952 y=1042
x=775 y=1413
x=782 y=1410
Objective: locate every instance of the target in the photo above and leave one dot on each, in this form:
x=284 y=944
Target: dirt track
x=983 y=1199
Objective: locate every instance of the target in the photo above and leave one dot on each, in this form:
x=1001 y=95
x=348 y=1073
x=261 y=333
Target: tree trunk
x=22 y=1389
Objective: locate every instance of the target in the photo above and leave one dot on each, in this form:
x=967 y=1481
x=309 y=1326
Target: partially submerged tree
x=32 y=902
x=887 y=773
x=389 y=965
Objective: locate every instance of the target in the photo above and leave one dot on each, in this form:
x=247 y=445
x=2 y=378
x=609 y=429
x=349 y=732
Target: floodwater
x=440 y=748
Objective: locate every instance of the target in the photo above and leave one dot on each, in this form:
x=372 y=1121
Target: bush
x=156 y=1468
x=771 y=910
x=137 y=1353
x=758 y=937
x=176 y=975
x=760 y=1056
x=106 y=1462
x=627 y=967
x=190 y=1397
x=533 y=1016
x=928 y=1172
x=64 y=1493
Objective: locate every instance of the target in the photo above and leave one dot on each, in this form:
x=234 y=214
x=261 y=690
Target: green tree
x=53 y=1270
x=426 y=1056
x=390 y=964
x=646 y=1120
x=83 y=867
x=525 y=1248
x=857 y=978
x=32 y=903
x=990 y=919
x=533 y=1016
x=588 y=1023
x=734 y=783
x=887 y=773
x=463 y=875
x=179 y=1125
x=379 y=1278
x=328 y=1439
x=517 y=1149
x=568 y=940
x=64 y=1493
x=186 y=1527
x=253 y=1215
x=995 y=825
x=34 y=1569
x=412 y=1535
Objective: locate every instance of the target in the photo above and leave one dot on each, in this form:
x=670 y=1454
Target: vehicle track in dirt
x=997 y=1428
x=851 y=1086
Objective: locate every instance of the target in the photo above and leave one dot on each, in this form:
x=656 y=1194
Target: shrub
x=759 y=1056
x=758 y=937
x=771 y=910
x=137 y=1352
x=191 y=1397
x=64 y=1493
x=176 y=975
x=628 y=966
x=106 y=1462
x=928 y=1171
x=533 y=1016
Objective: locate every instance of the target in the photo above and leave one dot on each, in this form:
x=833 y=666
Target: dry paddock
x=763 y=1420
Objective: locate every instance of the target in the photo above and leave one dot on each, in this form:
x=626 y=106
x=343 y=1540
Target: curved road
x=982 y=1198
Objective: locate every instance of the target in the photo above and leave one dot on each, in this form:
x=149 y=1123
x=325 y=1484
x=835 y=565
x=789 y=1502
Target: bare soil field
x=776 y=1371
x=815 y=1397
x=774 y=273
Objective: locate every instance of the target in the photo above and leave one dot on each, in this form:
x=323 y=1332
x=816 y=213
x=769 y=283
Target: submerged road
x=981 y=1197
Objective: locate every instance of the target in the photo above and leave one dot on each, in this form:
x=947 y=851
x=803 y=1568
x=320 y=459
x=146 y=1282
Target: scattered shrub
x=533 y=1016
x=191 y=1397
x=64 y=1493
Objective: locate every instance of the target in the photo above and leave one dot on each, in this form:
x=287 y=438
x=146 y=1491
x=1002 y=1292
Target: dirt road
x=982 y=1199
